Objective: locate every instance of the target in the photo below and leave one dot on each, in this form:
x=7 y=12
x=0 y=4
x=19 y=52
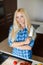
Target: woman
x=21 y=35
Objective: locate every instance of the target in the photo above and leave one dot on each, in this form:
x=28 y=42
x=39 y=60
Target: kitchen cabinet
x=38 y=46
x=7 y=19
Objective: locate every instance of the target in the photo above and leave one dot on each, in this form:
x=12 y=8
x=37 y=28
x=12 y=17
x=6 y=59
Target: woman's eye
x=21 y=16
x=17 y=17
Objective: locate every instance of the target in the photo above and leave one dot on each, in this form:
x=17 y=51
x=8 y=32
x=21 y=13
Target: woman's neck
x=22 y=28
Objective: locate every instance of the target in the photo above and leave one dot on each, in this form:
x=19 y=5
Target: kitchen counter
x=39 y=30
x=38 y=25
x=10 y=60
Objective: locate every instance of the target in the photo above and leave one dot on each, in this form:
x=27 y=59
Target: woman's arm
x=18 y=44
x=25 y=47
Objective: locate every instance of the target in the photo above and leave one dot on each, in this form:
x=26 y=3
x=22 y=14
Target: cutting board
x=9 y=61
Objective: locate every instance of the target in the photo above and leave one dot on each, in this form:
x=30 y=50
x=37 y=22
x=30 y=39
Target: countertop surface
x=39 y=30
x=38 y=25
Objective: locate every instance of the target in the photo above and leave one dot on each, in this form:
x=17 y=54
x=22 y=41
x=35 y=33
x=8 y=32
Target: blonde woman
x=21 y=35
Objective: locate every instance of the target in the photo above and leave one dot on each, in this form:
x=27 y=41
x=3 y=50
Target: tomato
x=15 y=62
x=21 y=63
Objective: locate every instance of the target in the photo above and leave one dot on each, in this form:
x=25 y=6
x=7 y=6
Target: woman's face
x=20 y=19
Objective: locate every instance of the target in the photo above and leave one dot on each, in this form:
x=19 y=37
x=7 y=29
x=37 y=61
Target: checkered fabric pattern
x=21 y=36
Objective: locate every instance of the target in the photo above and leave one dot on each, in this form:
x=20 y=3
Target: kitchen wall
x=34 y=9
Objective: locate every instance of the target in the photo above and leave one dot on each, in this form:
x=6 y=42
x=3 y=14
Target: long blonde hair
x=16 y=26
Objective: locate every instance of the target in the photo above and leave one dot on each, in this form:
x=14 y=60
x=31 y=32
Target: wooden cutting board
x=9 y=61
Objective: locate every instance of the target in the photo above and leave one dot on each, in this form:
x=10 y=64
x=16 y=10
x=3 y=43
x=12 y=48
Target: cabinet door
x=38 y=46
x=2 y=32
x=10 y=6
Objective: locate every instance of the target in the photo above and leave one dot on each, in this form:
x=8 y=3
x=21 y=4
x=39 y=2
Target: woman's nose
x=19 y=18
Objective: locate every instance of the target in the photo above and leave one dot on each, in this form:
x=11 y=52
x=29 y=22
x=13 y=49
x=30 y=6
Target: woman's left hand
x=27 y=41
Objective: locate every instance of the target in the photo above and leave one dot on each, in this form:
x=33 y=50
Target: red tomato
x=15 y=62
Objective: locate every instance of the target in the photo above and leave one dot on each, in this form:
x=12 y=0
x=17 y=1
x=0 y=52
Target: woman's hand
x=27 y=41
